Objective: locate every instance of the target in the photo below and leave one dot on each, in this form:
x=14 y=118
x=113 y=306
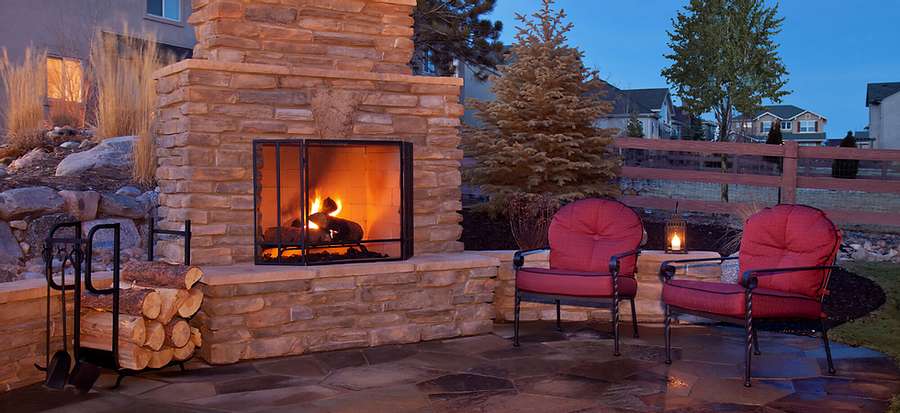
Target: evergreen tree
x=774 y=138
x=539 y=134
x=846 y=168
x=448 y=30
x=634 y=128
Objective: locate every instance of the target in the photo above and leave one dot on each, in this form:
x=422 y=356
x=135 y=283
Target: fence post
x=789 y=173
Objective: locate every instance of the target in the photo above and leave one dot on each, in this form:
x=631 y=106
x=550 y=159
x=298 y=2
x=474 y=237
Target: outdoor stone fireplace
x=298 y=136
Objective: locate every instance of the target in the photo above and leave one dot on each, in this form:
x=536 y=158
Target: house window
x=167 y=9
x=65 y=79
x=765 y=126
x=786 y=125
x=807 y=126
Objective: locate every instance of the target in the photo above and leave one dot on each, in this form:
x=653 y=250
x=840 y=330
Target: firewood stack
x=155 y=302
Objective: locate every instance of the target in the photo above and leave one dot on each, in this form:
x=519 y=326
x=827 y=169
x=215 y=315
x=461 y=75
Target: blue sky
x=832 y=48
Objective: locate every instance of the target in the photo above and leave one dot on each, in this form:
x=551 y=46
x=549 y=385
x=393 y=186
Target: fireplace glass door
x=323 y=202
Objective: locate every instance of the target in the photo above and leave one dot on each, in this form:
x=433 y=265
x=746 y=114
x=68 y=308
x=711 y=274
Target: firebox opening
x=320 y=202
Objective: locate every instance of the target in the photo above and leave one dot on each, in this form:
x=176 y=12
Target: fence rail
x=788 y=179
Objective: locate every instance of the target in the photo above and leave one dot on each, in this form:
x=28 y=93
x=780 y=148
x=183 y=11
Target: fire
x=676 y=242
x=316 y=206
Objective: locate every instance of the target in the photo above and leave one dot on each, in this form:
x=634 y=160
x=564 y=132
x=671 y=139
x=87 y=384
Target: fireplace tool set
x=71 y=253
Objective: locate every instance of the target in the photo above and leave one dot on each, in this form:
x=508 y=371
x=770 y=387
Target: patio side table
x=649 y=295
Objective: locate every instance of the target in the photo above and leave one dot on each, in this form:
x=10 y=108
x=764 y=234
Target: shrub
x=25 y=91
x=123 y=68
x=774 y=138
x=529 y=219
x=846 y=168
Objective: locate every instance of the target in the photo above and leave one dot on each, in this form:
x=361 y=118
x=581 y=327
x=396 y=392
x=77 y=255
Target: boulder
x=81 y=204
x=29 y=160
x=10 y=252
x=111 y=153
x=128 y=235
x=31 y=201
x=3 y=171
x=128 y=190
x=39 y=229
x=113 y=205
x=70 y=145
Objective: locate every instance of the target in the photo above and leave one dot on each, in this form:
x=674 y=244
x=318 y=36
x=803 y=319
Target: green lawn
x=881 y=329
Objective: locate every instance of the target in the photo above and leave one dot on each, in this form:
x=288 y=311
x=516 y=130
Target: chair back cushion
x=790 y=236
x=585 y=234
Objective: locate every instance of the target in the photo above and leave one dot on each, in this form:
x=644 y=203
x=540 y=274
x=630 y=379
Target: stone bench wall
x=286 y=311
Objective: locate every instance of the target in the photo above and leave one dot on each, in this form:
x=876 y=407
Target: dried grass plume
x=25 y=90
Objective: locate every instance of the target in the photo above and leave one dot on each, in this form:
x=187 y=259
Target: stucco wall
x=884 y=123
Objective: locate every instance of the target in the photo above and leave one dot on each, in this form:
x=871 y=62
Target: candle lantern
x=676 y=234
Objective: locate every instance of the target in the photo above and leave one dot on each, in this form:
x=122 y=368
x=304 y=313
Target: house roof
x=644 y=101
x=876 y=92
x=785 y=112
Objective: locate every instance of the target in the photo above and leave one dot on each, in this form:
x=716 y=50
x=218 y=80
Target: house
x=653 y=108
x=797 y=124
x=883 y=101
x=65 y=30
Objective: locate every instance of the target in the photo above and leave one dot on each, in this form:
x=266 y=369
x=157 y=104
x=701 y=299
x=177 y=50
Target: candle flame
x=676 y=242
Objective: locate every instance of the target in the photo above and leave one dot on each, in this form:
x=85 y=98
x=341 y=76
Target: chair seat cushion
x=729 y=300
x=573 y=283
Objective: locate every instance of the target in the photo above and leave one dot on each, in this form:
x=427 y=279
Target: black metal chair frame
x=749 y=280
x=595 y=302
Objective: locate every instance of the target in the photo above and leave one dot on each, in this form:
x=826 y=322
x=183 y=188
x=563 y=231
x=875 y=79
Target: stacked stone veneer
x=325 y=80
x=277 y=311
x=355 y=35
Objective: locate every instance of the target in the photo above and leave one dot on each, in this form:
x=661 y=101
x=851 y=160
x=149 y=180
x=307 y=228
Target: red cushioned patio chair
x=786 y=257
x=593 y=254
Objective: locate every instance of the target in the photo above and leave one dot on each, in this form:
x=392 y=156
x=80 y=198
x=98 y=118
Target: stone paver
x=569 y=371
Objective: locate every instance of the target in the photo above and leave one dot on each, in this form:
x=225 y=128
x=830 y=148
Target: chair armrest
x=614 y=261
x=519 y=257
x=667 y=268
x=750 y=278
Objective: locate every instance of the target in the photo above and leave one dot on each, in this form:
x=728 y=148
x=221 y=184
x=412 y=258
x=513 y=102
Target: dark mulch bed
x=43 y=174
x=850 y=296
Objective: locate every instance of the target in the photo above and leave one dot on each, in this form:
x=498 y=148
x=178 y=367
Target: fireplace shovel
x=61 y=362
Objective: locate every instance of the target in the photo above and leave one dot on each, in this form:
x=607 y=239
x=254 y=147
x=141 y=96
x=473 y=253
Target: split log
x=185 y=352
x=161 y=358
x=172 y=299
x=178 y=333
x=161 y=274
x=156 y=335
x=196 y=337
x=131 y=356
x=98 y=325
x=135 y=301
x=191 y=305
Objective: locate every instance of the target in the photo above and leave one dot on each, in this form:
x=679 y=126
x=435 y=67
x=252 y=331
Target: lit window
x=786 y=125
x=748 y=125
x=807 y=126
x=169 y=9
x=64 y=79
x=765 y=126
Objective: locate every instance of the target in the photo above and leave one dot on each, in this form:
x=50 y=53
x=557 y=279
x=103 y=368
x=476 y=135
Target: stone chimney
x=297 y=69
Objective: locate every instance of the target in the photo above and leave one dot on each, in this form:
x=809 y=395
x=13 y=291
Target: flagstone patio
x=572 y=371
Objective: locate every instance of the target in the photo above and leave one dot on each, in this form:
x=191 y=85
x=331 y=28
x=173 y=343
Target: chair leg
x=667 y=332
x=634 y=319
x=748 y=326
x=615 y=322
x=558 y=317
x=516 y=306
x=756 y=351
x=831 y=369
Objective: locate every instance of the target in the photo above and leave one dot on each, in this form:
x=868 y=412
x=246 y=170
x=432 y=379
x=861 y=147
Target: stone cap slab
x=250 y=273
x=237 y=67
x=37 y=288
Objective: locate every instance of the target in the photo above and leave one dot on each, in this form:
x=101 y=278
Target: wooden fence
x=789 y=179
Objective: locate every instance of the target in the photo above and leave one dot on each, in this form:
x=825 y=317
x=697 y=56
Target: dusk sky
x=832 y=48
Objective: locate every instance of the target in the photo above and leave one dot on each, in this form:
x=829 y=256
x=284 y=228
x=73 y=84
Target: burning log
x=134 y=301
x=340 y=230
x=161 y=274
